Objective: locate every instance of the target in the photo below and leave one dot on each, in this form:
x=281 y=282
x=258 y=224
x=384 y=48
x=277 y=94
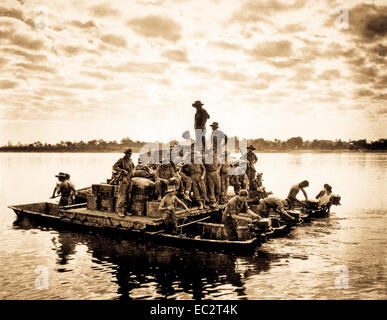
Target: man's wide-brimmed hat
x=197 y=103
x=61 y=175
x=129 y=150
x=251 y=147
x=214 y=124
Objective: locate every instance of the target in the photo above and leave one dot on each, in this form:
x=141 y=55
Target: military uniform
x=218 y=141
x=201 y=117
x=251 y=158
x=256 y=190
x=213 y=182
x=239 y=181
x=125 y=168
x=186 y=182
x=165 y=171
x=223 y=181
x=195 y=171
x=234 y=206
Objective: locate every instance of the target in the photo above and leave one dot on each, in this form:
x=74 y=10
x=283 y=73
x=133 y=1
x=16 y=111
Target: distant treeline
x=81 y=146
x=295 y=143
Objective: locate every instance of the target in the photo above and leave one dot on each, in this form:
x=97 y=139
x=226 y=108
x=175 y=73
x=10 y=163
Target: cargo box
x=152 y=209
x=107 y=204
x=92 y=202
x=95 y=189
x=138 y=208
x=106 y=190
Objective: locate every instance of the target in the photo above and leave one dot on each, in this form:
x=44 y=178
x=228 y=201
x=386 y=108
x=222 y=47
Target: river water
x=340 y=257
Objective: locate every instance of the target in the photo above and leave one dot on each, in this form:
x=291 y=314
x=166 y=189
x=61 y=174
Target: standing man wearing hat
x=125 y=167
x=65 y=188
x=252 y=159
x=218 y=140
x=201 y=117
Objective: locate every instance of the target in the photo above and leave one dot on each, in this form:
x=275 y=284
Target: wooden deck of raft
x=97 y=218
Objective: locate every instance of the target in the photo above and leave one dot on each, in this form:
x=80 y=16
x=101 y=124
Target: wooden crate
x=92 y=202
x=95 y=189
x=107 y=204
x=152 y=209
x=137 y=208
x=106 y=190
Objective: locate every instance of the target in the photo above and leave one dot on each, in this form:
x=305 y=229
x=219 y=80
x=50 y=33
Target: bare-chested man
x=167 y=206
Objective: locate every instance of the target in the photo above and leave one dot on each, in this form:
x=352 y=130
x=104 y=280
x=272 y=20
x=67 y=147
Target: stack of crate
x=103 y=197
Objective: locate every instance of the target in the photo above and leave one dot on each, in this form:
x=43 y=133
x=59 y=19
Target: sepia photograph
x=200 y=150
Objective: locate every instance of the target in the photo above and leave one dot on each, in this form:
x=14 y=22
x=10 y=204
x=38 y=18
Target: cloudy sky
x=79 y=70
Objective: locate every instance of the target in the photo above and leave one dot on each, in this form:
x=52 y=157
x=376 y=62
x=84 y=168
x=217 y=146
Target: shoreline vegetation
x=295 y=144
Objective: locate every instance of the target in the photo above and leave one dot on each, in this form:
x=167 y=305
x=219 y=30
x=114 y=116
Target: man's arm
x=237 y=217
x=157 y=175
x=320 y=194
x=304 y=192
x=118 y=165
x=181 y=202
x=255 y=158
x=56 y=189
x=253 y=215
x=162 y=205
x=286 y=214
x=73 y=191
x=203 y=171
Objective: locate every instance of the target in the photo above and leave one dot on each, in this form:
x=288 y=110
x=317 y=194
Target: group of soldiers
x=202 y=178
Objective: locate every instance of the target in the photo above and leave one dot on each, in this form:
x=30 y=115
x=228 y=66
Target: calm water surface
x=307 y=264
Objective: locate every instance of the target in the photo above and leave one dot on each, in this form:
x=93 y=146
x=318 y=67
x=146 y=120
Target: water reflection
x=168 y=270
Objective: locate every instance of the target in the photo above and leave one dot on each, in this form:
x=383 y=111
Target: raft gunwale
x=152 y=231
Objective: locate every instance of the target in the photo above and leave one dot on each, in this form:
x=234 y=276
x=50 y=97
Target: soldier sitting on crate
x=237 y=209
x=238 y=177
x=167 y=207
x=272 y=204
x=65 y=188
x=125 y=167
x=165 y=175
